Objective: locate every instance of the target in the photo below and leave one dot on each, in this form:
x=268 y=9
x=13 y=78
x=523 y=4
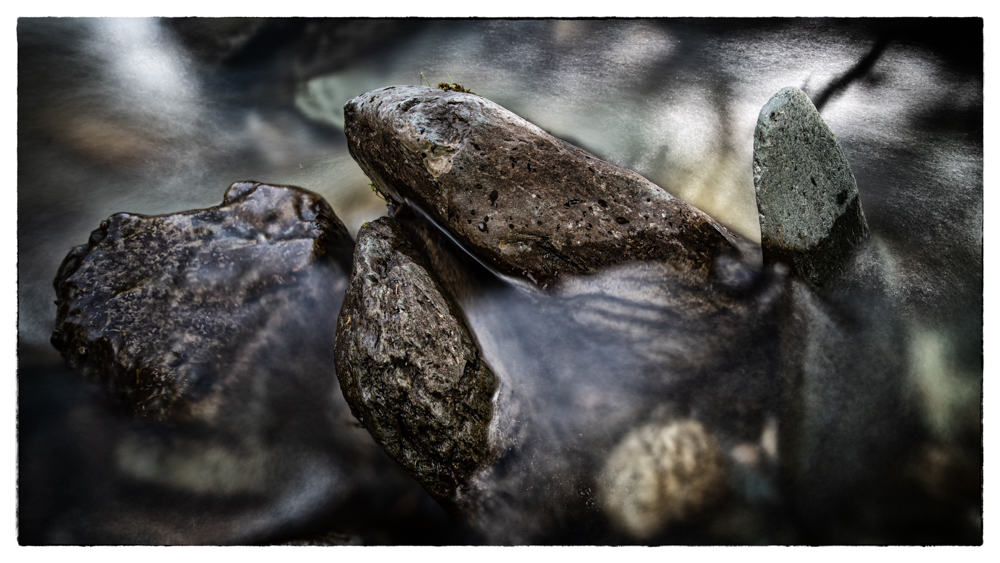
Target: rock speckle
x=409 y=367
x=808 y=204
x=157 y=306
x=563 y=211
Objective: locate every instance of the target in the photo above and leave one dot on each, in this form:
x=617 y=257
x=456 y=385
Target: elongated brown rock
x=528 y=203
x=807 y=199
x=409 y=366
x=159 y=307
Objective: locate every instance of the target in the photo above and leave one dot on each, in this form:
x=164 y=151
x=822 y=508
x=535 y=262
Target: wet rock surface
x=560 y=410
x=608 y=355
x=667 y=98
x=841 y=297
x=807 y=199
x=151 y=304
x=528 y=203
x=290 y=464
x=822 y=464
x=714 y=420
x=693 y=355
x=222 y=320
x=410 y=369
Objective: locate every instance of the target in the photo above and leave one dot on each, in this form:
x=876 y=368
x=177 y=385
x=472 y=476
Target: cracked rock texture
x=530 y=204
x=409 y=367
x=809 y=210
x=158 y=306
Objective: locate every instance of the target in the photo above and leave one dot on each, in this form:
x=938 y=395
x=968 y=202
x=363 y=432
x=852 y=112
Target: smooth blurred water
x=150 y=117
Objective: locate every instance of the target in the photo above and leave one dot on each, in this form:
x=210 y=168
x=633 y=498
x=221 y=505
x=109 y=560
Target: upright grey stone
x=809 y=211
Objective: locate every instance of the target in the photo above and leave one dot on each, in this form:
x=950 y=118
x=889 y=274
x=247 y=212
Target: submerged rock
x=573 y=374
x=655 y=309
x=660 y=474
x=643 y=402
x=807 y=199
x=528 y=203
x=842 y=330
x=409 y=366
x=153 y=306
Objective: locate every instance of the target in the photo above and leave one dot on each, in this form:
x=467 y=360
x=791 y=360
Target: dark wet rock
x=585 y=369
x=652 y=316
x=843 y=331
x=807 y=199
x=826 y=465
x=152 y=305
x=578 y=372
x=216 y=327
x=528 y=203
x=409 y=367
x=841 y=299
x=286 y=462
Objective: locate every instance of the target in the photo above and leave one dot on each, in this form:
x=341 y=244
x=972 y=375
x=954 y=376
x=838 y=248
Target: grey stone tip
x=807 y=199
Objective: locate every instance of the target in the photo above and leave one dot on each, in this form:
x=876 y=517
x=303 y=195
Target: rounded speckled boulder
x=530 y=204
x=161 y=308
x=409 y=367
x=808 y=204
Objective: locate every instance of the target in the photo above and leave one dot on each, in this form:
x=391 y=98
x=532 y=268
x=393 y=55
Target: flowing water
x=155 y=116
